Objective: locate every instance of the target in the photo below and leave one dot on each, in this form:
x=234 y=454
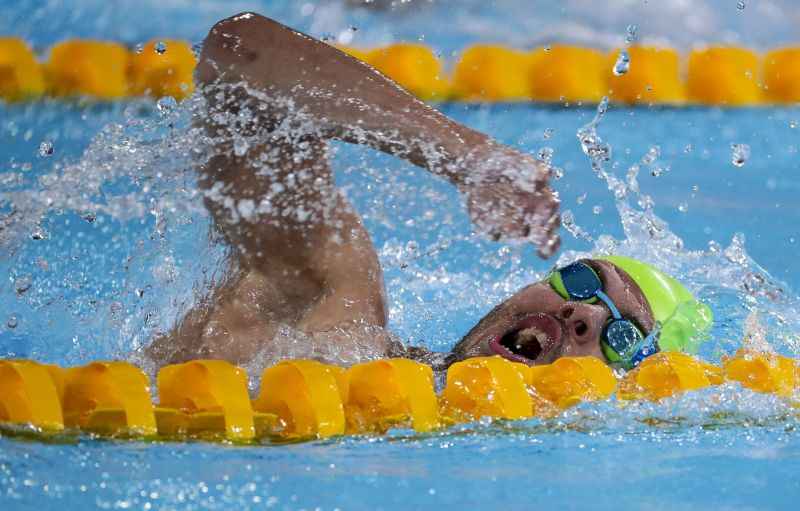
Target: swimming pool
x=84 y=287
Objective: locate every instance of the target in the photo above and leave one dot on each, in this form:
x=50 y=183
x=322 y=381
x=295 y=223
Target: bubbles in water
x=160 y=47
x=12 y=321
x=166 y=105
x=22 y=284
x=740 y=153
x=581 y=198
x=793 y=123
x=683 y=207
x=623 y=63
x=139 y=48
x=548 y=133
x=597 y=210
x=45 y=149
x=740 y=5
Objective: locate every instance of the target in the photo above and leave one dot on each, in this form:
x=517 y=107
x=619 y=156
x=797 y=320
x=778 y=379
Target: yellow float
x=487 y=387
x=30 y=395
x=93 y=69
x=652 y=77
x=21 y=75
x=717 y=75
x=205 y=396
x=305 y=399
x=162 y=67
x=109 y=398
x=763 y=372
x=570 y=74
x=391 y=392
x=569 y=381
x=306 y=396
x=666 y=374
x=724 y=76
x=782 y=75
x=414 y=67
x=492 y=73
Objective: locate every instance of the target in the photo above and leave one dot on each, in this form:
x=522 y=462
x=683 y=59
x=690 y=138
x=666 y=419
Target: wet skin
x=536 y=325
x=318 y=272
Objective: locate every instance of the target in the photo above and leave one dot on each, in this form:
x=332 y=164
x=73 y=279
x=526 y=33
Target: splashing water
x=723 y=276
x=622 y=64
x=142 y=250
x=740 y=153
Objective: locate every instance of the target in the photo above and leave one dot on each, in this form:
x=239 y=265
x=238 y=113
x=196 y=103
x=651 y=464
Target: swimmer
x=300 y=256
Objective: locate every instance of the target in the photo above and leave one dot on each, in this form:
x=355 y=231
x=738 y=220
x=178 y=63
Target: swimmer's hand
x=508 y=197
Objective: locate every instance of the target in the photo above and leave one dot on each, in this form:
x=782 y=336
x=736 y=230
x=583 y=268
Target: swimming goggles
x=621 y=341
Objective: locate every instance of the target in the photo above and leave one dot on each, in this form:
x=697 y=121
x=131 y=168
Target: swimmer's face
x=537 y=326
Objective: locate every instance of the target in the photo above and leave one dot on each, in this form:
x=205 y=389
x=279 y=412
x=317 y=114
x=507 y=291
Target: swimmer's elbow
x=227 y=45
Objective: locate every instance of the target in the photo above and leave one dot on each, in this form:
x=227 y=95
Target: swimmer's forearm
x=340 y=96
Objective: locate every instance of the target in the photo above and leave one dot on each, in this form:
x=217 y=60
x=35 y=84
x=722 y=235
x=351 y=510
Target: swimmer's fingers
x=552 y=240
x=510 y=215
x=544 y=223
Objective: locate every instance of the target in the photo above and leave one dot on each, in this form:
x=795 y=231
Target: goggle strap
x=609 y=303
x=643 y=345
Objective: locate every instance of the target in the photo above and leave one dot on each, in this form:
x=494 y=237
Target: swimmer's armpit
x=346 y=99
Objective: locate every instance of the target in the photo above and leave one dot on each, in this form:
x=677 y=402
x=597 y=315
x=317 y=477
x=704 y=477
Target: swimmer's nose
x=584 y=322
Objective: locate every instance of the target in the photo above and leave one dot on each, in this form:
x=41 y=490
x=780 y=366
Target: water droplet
x=740 y=153
x=602 y=107
x=631 y=34
x=597 y=210
x=548 y=133
x=240 y=146
x=45 y=149
x=160 y=47
x=568 y=222
x=652 y=155
x=139 y=48
x=12 y=321
x=39 y=233
x=623 y=63
x=545 y=155
x=22 y=284
x=166 y=105
x=683 y=207
x=741 y=5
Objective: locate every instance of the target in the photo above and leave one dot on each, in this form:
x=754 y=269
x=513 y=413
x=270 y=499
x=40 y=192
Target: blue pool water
x=84 y=285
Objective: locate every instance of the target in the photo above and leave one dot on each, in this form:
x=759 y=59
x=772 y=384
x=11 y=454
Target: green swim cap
x=684 y=320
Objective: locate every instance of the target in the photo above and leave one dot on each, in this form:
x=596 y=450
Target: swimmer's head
x=614 y=308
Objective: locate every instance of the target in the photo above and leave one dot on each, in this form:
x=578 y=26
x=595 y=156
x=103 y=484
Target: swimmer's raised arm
x=344 y=98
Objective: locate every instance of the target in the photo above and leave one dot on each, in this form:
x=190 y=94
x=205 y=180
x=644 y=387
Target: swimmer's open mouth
x=529 y=340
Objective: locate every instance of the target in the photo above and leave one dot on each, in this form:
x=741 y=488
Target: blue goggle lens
x=580 y=281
